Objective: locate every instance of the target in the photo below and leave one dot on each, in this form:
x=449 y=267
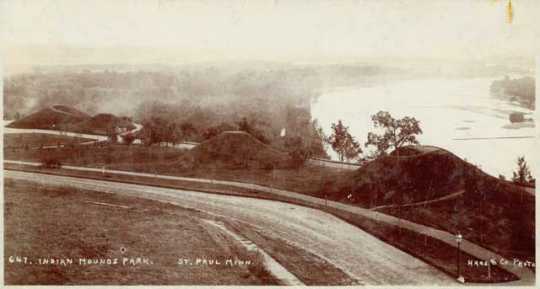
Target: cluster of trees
x=302 y=147
x=158 y=130
x=283 y=123
x=301 y=142
x=519 y=89
x=394 y=133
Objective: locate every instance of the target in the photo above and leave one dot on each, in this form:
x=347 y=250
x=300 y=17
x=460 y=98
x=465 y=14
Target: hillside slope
x=494 y=213
x=52 y=117
x=418 y=174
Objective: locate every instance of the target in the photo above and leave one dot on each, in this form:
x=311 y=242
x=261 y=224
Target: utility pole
x=491 y=262
x=273 y=179
x=459 y=239
x=489 y=270
x=325 y=200
x=325 y=193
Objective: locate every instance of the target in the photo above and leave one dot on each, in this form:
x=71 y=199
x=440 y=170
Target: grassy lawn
x=35 y=140
x=170 y=161
x=52 y=222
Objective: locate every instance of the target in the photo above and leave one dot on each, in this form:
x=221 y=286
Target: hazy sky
x=169 y=31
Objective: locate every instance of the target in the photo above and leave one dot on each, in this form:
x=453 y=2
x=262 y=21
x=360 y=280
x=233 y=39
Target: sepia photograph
x=269 y=142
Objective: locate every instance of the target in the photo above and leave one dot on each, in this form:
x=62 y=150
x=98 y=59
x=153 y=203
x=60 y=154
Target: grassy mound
x=103 y=122
x=238 y=149
x=420 y=173
x=69 y=110
x=62 y=117
x=52 y=117
x=416 y=175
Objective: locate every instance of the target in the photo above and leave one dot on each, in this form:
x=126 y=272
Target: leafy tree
x=317 y=140
x=188 y=130
x=216 y=130
x=343 y=143
x=250 y=127
x=210 y=132
x=305 y=144
x=396 y=132
x=151 y=132
x=112 y=134
x=50 y=161
x=158 y=129
x=522 y=175
x=299 y=150
x=244 y=125
x=174 y=134
x=129 y=138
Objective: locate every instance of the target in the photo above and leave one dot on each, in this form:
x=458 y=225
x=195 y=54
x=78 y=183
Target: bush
x=51 y=162
x=517 y=117
x=128 y=138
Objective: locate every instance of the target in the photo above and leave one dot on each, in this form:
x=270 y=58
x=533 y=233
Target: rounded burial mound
x=238 y=149
x=420 y=173
x=69 y=110
x=52 y=117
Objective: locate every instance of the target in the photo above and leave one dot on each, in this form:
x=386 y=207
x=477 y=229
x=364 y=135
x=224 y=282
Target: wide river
x=457 y=114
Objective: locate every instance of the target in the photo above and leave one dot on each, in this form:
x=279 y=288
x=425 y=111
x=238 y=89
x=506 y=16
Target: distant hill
x=238 y=149
x=62 y=117
x=52 y=117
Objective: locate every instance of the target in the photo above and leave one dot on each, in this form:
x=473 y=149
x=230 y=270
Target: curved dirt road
x=360 y=255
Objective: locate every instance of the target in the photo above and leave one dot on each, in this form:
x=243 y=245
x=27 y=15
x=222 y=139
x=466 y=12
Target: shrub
x=517 y=117
x=128 y=138
x=51 y=162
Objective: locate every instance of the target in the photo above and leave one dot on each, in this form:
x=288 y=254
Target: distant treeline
x=518 y=89
x=190 y=104
x=121 y=92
